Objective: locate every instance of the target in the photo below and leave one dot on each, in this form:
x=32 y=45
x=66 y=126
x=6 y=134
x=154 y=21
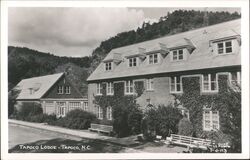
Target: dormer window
x=224 y=47
x=108 y=66
x=132 y=62
x=178 y=55
x=153 y=58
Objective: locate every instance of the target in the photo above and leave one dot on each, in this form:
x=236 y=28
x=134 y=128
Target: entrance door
x=61 y=109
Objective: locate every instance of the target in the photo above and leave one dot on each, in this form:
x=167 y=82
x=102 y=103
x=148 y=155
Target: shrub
x=162 y=120
x=185 y=127
x=28 y=109
x=134 y=120
x=76 y=119
x=41 y=118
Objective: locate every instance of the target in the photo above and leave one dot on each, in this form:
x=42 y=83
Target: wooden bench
x=190 y=142
x=101 y=128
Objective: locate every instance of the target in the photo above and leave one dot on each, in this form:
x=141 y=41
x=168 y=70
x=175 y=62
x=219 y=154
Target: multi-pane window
x=178 y=55
x=109 y=113
x=67 y=89
x=209 y=83
x=61 y=109
x=85 y=106
x=149 y=84
x=132 y=62
x=153 y=58
x=235 y=80
x=108 y=66
x=175 y=84
x=224 y=47
x=99 y=89
x=210 y=120
x=99 y=112
x=74 y=105
x=129 y=87
x=60 y=90
x=110 y=88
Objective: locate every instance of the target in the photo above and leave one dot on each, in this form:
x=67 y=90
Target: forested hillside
x=26 y=63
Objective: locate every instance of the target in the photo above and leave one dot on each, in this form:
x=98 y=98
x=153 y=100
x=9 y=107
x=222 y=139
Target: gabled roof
x=39 y=86
x=201 y=57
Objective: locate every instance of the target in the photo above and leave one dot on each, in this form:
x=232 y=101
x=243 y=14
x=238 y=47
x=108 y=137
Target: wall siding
x=161 y=93
x=52 y=93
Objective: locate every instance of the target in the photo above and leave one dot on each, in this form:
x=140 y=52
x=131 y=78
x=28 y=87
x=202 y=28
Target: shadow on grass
x=60 y=145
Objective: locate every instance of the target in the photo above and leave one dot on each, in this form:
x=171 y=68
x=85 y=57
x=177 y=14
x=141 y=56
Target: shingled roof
x=39 y=85
x=201 y=57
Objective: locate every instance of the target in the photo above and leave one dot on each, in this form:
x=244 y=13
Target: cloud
x=69 y=31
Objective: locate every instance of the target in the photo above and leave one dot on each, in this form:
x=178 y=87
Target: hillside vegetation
x=26 y=63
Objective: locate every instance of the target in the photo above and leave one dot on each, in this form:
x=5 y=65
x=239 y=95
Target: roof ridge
x=42 y=76
x=195 y=29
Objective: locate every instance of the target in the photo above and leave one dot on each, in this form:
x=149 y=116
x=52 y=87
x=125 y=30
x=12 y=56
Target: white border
x=244 y=4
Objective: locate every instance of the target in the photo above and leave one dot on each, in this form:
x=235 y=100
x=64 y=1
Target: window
x=67 y=89
x=132 y=62
x=100 y=113
x=74 y=105
x=110 y=88
x=60 y=90
x=175 y=84
x=209 y=83
x=129 y=87
x=98 y=89
x=224 y=47
x=109 y=113
x=85 y=106
x=210 y=120
x=149 y=84
x=108 y=66
x=235 y=80
x=61 y=110
x=153 y=58
x=178 y=55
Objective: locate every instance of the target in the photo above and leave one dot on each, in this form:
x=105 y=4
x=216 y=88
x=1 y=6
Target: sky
x=76 y=32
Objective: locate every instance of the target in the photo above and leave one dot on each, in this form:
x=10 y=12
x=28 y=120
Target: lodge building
x=162 y=63
x=56 y=94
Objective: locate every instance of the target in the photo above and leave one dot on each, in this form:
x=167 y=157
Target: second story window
x=235 y=80
x=67 y=89
x=110 y=88
x=108 y=66
x=153 y=58
x=178 y=55
x=149 y=84
x=224 y=47
x=129 y=87
x=60 y=90
x=98 y=89
x=132 y=62
x=209 y=83
x=175 y=84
